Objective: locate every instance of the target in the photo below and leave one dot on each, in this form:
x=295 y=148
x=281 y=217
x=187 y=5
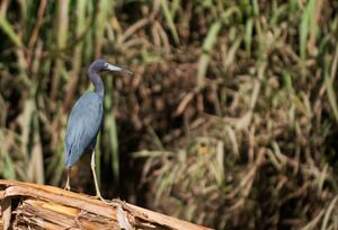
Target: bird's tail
x=67 y=154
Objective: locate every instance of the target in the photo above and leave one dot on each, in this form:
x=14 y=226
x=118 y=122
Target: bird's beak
x=112 y=68
x=115 y=68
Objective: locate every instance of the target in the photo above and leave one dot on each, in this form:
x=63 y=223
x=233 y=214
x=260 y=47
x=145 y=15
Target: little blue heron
x=85 y=121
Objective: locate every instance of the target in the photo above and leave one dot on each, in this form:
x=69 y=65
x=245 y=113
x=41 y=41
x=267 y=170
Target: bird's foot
x=99 y=197
x=67 y=187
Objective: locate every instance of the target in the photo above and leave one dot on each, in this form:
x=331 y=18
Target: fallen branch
x=31 y=206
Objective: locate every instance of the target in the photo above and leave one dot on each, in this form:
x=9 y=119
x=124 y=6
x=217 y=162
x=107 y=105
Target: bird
x=85 y=121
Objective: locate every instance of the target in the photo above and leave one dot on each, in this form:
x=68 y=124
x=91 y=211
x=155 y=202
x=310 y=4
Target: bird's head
x=100 y=65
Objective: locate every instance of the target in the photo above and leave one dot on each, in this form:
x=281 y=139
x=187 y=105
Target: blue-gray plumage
x=85 y=120
x=83 y=126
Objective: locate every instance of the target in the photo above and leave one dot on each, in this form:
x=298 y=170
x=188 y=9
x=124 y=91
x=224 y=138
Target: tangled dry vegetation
x=230 y=119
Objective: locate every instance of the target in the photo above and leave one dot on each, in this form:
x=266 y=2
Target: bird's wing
x=83 y=125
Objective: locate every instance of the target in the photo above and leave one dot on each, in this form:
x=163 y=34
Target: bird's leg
x=67 y=186
x=93 y=165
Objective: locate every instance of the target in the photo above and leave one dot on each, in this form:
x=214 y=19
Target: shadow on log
x=32 y=206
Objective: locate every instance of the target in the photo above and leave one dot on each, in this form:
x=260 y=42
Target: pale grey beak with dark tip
x=112 y=68
x=115 y=68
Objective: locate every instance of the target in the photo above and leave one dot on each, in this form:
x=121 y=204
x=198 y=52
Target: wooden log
x=32 y=206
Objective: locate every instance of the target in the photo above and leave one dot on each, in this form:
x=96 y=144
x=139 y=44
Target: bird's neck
x=97 y=81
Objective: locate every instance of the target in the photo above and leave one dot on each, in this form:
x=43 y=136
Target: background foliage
x=230 y=118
